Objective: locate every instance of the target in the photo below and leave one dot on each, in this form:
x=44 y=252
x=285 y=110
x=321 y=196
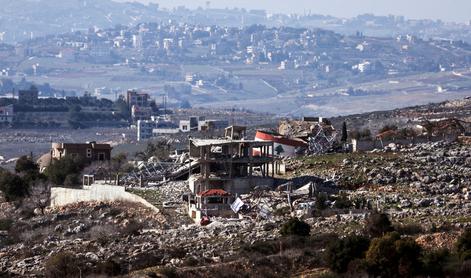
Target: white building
x=201 y=124
x=147 y=129
x=362 y=67
x=144 y=129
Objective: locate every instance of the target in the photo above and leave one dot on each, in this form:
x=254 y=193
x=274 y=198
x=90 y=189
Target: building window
x=89 y=153
x=101 y=156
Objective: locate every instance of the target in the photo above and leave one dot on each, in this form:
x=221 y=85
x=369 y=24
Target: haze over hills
x=417 y=9
x=23 y=19
x=282 y=70
x=145 y=140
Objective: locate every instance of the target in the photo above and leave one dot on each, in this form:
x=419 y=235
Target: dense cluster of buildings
x=151 y=122
x=158 y=125
x=149 y=44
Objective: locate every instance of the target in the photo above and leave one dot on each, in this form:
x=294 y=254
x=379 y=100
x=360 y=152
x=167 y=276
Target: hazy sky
x=448 y=10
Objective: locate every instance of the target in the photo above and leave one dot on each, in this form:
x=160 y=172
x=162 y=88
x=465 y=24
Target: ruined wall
x=234 y=186
x=95 y=193
x=246 y=185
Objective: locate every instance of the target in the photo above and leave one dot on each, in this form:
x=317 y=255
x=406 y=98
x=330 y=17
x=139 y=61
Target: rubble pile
x=98 y=232
x=426 y=184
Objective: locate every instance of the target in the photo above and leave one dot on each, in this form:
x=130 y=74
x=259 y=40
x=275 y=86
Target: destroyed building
x=227 y=168
x=310 y=135
x=283 y=146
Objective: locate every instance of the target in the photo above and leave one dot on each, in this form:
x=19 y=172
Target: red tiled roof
x=213 y=192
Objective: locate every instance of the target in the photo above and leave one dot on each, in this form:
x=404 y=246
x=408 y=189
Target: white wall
x=95 y=193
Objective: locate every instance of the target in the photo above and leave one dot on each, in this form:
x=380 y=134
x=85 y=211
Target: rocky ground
x=134 y=236
x=424 y=189
x=409 y=116
x=427 y=184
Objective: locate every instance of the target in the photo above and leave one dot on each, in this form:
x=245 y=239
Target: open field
x=16 y=142
x=396 y=93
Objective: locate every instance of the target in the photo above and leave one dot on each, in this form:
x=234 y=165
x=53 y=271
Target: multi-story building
x=137 y=99
x=90 y=151
x=147 y=129
x=201 y=124
x=144 y=129
x=192 y=124
x=227 y=167
x=141 y=112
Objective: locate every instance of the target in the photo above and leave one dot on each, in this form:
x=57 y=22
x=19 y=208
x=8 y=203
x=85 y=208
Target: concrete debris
x=426 y=183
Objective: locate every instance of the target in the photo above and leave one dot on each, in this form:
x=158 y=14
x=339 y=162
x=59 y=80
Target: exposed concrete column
x=189 y=155
x=250 y=160
x=273 y=159
x=267 y=165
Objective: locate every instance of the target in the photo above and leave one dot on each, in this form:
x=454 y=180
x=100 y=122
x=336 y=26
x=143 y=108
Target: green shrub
x=408 y=229
x=391 y=256
x=381 y=256
x=110 y=267
x=463 y=245
x=261 y=247
x=321 y=200
x=342 y=202
x=6 y=224
x=72 y=180
x=409 y=254
x=190 y=261
x=378 y=224
x=435 y=262
x=59 y=170
x=64 y=264
x=168 y=272
x=295 y=227
x=341 y=252
x=25 y=164
x=13 y=186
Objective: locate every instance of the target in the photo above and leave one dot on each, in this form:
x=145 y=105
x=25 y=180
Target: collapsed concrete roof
x=218 y=142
